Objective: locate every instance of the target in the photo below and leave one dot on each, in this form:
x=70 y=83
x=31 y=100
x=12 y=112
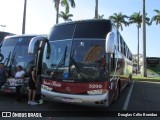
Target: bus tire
x=24 y=90
x=116 y=97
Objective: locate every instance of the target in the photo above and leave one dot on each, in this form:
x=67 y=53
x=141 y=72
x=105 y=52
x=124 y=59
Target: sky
x=41 y=17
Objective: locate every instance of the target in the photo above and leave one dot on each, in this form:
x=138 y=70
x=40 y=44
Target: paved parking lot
x=144 y=97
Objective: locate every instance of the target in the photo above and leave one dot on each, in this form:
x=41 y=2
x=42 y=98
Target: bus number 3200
x=95 y=86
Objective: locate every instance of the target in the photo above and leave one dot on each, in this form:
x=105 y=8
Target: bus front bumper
x=8 y=89
x=89 y=100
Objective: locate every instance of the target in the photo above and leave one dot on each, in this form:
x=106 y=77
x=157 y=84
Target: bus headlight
x=46 y=88
x=97 y=92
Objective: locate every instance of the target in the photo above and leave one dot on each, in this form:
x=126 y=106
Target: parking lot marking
x=125 y=106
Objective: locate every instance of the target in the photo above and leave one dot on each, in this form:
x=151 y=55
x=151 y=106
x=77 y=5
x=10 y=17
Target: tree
x=24 y=17
x=65 y=16
x=136 y=18
x=64 y=3
x=144 y=41
x=96 y=9
x=156 y=17
x=99 y=17
x=119 y=19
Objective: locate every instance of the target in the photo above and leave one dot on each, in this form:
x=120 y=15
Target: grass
x=146 y=78
x=151 y=76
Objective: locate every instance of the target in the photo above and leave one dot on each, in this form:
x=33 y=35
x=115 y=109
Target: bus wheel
x=117 y=94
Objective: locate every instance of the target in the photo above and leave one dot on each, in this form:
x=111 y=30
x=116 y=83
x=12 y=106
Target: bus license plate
x=7 y=90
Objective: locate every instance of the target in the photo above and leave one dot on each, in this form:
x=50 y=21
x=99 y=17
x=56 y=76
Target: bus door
x=112 y=75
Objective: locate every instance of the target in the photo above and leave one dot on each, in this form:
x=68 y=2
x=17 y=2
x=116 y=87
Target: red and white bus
x=85 y=62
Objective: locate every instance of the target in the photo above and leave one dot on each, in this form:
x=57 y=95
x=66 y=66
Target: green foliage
x=146 y=78
x=65 y=16
x=136 y=17
x=119 y=19
x=156 y=18
x=64 y=3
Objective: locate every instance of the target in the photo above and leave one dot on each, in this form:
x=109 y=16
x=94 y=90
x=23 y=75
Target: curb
x=150 y=80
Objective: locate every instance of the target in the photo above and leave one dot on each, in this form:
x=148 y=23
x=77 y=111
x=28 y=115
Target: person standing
x=32 y=86
x=20 y=74
x=3 y=75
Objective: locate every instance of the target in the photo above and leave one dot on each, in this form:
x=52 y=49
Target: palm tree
x=96 y=9
x=144 y=41
x=136 y=18
x=24 y=17
x=64 y=3
x=156 y=17
x=65 y=16
x=56 y=5
x=99 y=17
x=119 y=19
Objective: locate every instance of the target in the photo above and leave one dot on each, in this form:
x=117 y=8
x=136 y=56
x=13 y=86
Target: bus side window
x=112 y=61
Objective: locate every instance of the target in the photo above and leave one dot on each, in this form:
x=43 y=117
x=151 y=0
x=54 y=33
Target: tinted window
x=124 y=49
x=62 y=32
x=58 y=62
x=15 y=51
x=10 y=42
x=118 y=40
x=88 y=60
x=92 y=29
x=121 y=43
x=3 y=35
x=17 y=40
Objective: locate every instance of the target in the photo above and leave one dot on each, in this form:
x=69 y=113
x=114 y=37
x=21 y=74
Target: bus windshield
x=85 y=61
x=15 y=52
x=58 y=61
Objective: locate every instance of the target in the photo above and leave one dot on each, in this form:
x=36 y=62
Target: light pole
x=3 y=26
x=144 y=40
x=24 y=17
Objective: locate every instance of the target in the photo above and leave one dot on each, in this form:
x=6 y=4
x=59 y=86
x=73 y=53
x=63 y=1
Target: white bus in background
x=13 y=52
x=4 y=34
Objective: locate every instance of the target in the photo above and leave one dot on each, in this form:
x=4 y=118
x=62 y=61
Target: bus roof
x=94 y=28
x=83 y=21
x=4 y=34
x=27 y=35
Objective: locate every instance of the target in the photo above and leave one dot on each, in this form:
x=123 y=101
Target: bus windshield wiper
x=77 y=68
x=13 y=57
x=61 y=62
x=6 y=61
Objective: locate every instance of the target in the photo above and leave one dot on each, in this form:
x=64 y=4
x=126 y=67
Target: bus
x=4 y=34
x=85 y=62
x=13 y=52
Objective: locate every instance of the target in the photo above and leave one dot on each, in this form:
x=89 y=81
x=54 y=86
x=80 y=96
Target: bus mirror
x=110 y=42
x=48 y=50
x=1 y=57
x=34 y=40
